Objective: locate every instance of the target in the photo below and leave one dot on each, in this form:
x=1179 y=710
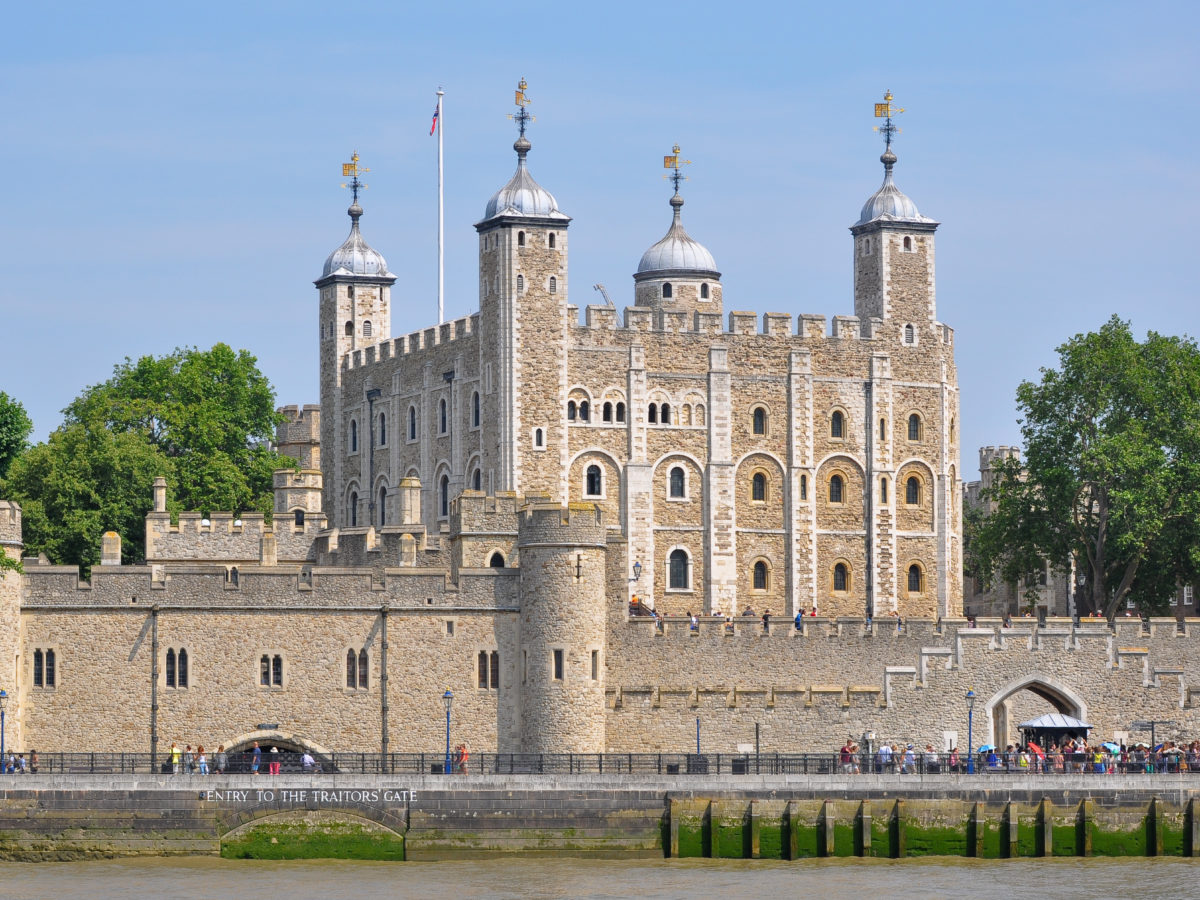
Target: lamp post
x=970 y=723
x=637 y=570
x=448 y=699
x=3 y=704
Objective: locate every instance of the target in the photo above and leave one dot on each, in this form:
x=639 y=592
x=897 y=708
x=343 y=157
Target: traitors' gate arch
x=1053 y=691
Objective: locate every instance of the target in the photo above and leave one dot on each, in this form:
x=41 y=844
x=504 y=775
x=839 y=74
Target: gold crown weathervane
x=675 y=164
x=352 y=170
x=521 y=117
x=885 y=110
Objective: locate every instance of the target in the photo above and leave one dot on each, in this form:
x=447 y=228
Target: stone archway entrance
x=1026 y=698
x=291 y=748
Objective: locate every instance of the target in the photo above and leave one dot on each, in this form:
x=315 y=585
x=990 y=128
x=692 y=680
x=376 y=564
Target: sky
x=173 y=171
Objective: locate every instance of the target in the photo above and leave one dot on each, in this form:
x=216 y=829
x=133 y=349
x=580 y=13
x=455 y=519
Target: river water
x=930 y=879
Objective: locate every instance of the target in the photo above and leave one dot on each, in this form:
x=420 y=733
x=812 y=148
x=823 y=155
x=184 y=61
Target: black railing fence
x=290 y=763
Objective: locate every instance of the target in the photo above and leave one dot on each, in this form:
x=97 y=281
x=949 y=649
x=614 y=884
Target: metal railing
x=619 y=764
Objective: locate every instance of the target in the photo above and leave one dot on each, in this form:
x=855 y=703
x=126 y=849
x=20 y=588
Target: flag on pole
x=436 y=110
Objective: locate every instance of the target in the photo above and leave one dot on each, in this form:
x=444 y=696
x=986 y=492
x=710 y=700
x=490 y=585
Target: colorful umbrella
x=986 y=747
x=1038 y=750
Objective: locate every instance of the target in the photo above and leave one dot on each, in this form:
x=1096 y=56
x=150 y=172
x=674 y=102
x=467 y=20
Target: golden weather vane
x=522 y=117
x=885 y=110
x=674 y=163
x=352 y=170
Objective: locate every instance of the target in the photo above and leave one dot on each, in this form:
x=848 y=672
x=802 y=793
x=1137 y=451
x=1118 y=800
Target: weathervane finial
x=522 y=116
x=885 y=111
x=674 y=163
x=352 y=170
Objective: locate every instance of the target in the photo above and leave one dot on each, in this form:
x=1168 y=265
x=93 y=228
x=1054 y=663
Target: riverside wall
x=432 y=817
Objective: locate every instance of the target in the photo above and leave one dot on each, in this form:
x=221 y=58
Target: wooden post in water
x=755 y=831
x=1154 y=828
x=714 y=827
x=1045 y=821
x=1192 y=830
x=899 y=839
x=792 y=821
x=864 y=820
x=673 y=829
x=1083 y=829
x=1011 y=825
x=826 y=837
x=975 y=832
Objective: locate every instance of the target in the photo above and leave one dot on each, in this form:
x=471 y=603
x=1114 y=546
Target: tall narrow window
x=351 y=669
x=585 y=410
x=912 y=491
x=841 y=577
x=298 y=518
x=444 y=496
x=475 y=409
x=170 y=668
x=382 y=506
x=39 y=671
x=353 y=509
x=760 y=420
x=883 y=490
x=594 y=482
x=914 y=427
x=803 y=487
x=550 y=240
x=677 y=483
x=495 y=670
x=914 y=579
x=606 y=412
x=477 y=479
x=50 y=668
x=836 y=489
x=520 y=283
x=367 y=328
x=412 y=423
x=704 y=292
x=520 y=239
x=758 y=487
x=483 y=669
x=652 y=414
x=677 y=570
x=353 y=436
x=363 y=669
x=664 y=413
x=558 y=665
x=837 y=424
x=539 y=438
x=620 y=412
x=595 y=665
x=264 y=671
x=908 y=243
x=382 y=429
x=572 y=411
x=666 y=290
x=883 y=429
x=443 y=418
x=553 y=285
x=277 y=671
x=910 y=335
x=760 y=576
x=349 y=329
x=183 y=668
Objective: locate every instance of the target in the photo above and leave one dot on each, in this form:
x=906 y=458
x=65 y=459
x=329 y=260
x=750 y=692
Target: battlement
x=808 y=326
x=476 y=512
x=990 y=455
x=413 y=343
x=301 y=424
x=10 y=524
x=221 y=536
x=551 y=523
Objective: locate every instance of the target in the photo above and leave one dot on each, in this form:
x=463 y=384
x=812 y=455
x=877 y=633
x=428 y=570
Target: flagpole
x=441 y=216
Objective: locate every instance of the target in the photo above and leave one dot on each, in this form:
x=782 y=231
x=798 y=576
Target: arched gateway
x=1030 y=693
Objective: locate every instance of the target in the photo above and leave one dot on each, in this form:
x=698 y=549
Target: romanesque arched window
x=666 y=290
x=444 y=496
x=539 y=438
x=760 y=420
x=550 y=239
x=760 y=575
x=841 y=577
x=908 y=244
x=704 y=292
x=677 y=570
x=837 y=424
x=914 y=427
x=758 y=487
x=912 y=491
x=677 y=487
x=572 y=410
x=664 y=413
x=585 y=410
x=915 y=579
x=520 y=239
x=620 y=412
x=837 y=489
x=353 y=436
x=652 y=414
x=606 y=412
x=593 y=482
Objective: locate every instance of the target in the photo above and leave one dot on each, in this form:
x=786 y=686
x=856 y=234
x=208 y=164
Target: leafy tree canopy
x=15 y=427
x=201 y=418
x=1111 y=474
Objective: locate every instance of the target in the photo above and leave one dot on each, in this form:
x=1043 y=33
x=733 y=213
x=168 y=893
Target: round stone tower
x=561 y=666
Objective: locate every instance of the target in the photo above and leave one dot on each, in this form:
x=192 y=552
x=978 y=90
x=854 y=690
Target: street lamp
x=637 y=570
x=3 y=704
x=448 y=699
x=970 y=723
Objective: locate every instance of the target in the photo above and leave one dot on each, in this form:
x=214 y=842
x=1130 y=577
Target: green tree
x=15 y=428
x=1111 y=474
x=201 y=418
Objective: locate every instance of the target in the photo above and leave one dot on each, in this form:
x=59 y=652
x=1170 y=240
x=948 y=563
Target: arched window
x=553 y=285
x=677 y=482
x=652 y=414
x=704 y=292
x=520 y=239
x=803 y=487
x=497 y=560
x=550 y=240
x=353 y=509
x=585 y=410
x=382 y=506
x=593 y=481
x=495 y=670
x=443 y=419
x=908 y=243
x=183 y=669
x=444 y=496
x=38 y=669
x=170 y=668
x=353 y=436
x=883 y=490
x=837 y=424
x=699 y=413
x=351 y=669
x=349 y=329
x=606 y=412
x=910 y=335
x=685 y=416
x=666 y=290
x=367 y=328
x=539 y=438
x=760 y=576
x=758 y=487
x=837 y=488
x=520 y=283
x=914 y=427
x=665 y=413
x=677 y=570
x=475 y=409
x=363 y=669
x=841 y=577
x=477 y=480
x=883 y=429
x=915 y=577
x=483 y=669
x=912 y=491
x=382 y=429
x=571 y=410
x=412 y=423
x=620 y=412
x=760 y=420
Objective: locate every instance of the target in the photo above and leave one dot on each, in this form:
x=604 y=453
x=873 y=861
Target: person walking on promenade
x=222 y=760
x=307 y=763
x=255 y=758
x=201 y=760
x=175 y=755
x=766 y=620
x=189 y=760
x=274 y=760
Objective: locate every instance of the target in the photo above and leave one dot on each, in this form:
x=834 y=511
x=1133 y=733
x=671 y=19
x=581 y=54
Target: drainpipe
x=383 y=684
x=372 y=395
x=154 y=689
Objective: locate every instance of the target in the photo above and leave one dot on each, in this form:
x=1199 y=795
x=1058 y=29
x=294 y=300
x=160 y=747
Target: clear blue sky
x=172 y=169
